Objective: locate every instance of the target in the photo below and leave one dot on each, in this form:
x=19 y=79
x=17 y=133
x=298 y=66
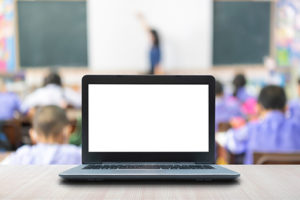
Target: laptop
x=148 y=127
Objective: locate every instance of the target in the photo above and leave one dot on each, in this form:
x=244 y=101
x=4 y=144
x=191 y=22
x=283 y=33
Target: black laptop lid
x=148 y=118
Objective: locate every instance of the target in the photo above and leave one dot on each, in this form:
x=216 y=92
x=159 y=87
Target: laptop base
x=80 y=174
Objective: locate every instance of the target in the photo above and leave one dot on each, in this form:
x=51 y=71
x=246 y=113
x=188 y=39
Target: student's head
x=50 y=125
x=154 y=37
x=219 y=89
x=238 y=82
x=272 y=97
x=52 y=78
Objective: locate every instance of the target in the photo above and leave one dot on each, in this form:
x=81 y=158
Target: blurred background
x=256 y=42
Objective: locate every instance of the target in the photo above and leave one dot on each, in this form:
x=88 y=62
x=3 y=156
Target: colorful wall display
x=7 y=36
x=288 y=32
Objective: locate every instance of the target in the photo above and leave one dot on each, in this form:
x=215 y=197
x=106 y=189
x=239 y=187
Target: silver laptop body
x=148 y=127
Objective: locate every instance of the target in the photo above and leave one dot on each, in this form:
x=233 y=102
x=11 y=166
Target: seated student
x=272 y=133
x=247 y=101
x=9 y=102
x=239 y=91
x=226 y=108
x=294 y=105
x=50 y=135
x=9 y=107
x=52 y=93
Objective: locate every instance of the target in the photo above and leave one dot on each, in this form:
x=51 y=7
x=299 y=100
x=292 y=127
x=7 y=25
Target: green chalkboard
x=241 y=32
x=52 y=33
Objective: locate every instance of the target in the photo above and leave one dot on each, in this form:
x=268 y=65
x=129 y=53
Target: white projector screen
x=148 y=118
x=117 y=41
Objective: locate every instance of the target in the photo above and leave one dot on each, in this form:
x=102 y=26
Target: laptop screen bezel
x=98 y=157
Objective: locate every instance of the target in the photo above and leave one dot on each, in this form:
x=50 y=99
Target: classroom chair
x=262 y=158
x=12 y=130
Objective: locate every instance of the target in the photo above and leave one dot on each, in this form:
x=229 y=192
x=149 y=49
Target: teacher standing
x=154 y=52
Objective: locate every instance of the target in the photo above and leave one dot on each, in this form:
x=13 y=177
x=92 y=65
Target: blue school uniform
x=294 y=109
x=226 y=109
x=9 y=103
x=274 y=133
x=242 y=94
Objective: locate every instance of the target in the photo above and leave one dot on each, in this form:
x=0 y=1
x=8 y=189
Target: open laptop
x=148 y=127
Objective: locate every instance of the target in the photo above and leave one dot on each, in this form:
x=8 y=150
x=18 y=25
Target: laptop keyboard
x=133 y=166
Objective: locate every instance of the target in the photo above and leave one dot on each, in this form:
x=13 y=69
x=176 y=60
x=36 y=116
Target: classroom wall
x=117 y=40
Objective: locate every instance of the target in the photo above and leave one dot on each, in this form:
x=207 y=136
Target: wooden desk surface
x=256 y=182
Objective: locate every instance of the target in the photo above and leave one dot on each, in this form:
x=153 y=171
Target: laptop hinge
x=201 y=163
x=93 y=163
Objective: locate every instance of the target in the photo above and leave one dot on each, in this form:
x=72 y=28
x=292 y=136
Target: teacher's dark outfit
x=155 y=56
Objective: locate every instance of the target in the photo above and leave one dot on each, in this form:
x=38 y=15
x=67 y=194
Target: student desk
x=256 y=182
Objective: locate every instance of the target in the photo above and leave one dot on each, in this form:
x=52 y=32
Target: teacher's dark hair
x=154 y=33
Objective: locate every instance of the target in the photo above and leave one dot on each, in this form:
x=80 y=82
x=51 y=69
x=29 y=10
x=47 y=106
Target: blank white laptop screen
x=148 y=118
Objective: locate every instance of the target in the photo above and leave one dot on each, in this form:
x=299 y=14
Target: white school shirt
x=45 y=154
x=51 y=94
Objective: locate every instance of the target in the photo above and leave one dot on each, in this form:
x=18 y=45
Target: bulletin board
x=7 y=36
